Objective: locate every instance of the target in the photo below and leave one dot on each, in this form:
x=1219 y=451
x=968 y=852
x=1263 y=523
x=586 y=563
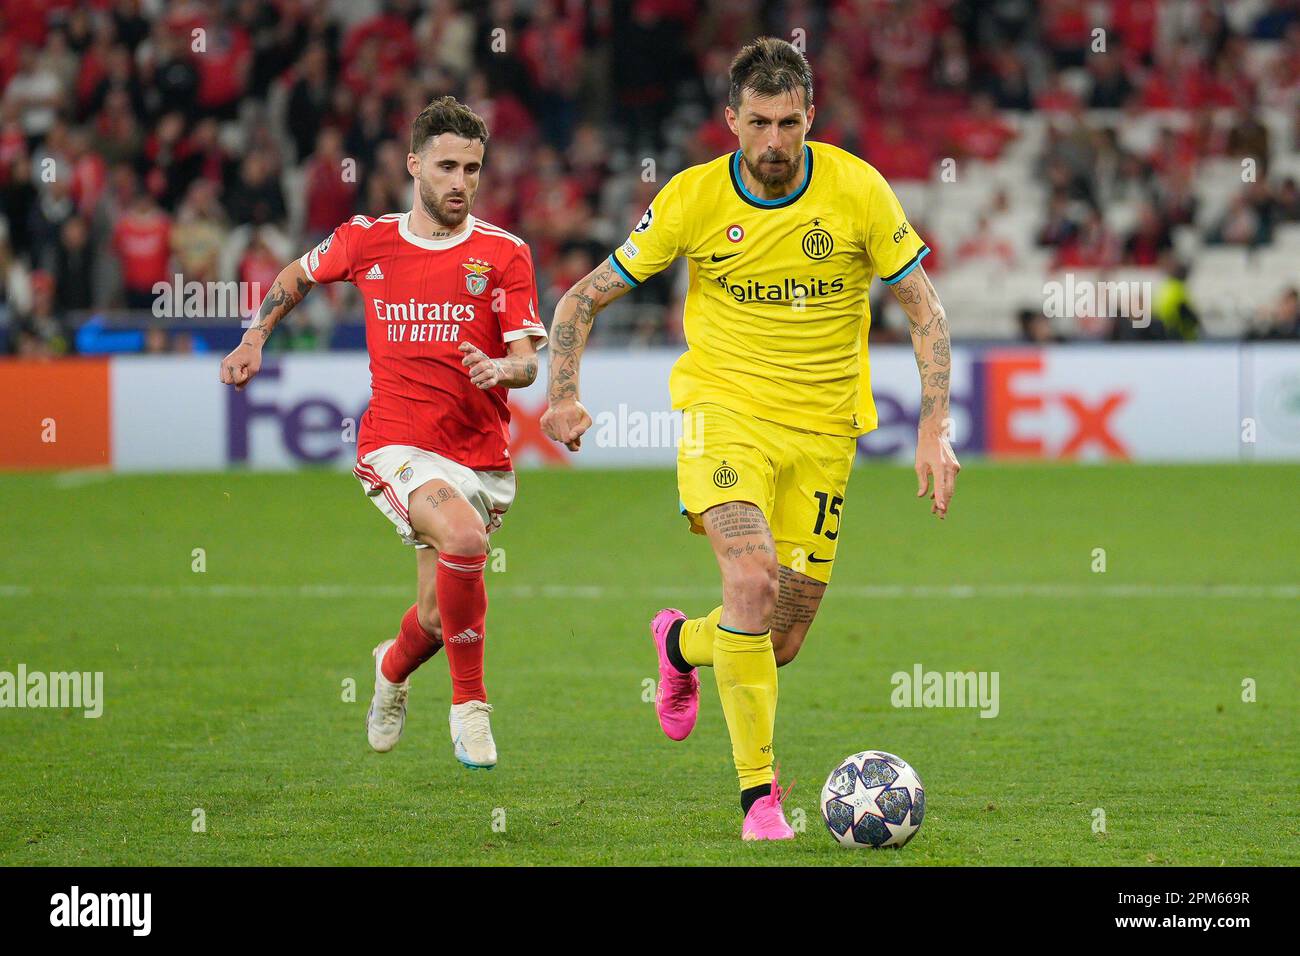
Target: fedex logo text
x=309 y=427
x=1014 y=404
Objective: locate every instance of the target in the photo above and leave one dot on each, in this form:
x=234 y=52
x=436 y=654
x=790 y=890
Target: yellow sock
x=745 y=669
x=696 y=638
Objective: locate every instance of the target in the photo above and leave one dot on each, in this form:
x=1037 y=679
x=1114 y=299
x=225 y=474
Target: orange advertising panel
x=54 y=414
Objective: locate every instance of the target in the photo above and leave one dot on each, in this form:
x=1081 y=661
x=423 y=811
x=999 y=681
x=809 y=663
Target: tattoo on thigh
x=738 y=519
x=750 y=548
x=797 y=601
x=444 y=494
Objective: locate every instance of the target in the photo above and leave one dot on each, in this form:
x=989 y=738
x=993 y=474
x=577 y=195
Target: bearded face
x=447 y=177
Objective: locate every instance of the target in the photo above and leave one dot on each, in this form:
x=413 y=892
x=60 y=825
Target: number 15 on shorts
x=828 y=510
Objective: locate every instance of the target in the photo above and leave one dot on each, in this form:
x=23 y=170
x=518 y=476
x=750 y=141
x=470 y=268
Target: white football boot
x=471 y=735
x=387 y=714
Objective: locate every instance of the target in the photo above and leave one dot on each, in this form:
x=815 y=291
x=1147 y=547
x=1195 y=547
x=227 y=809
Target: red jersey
x=424 y=297
x=143 y=243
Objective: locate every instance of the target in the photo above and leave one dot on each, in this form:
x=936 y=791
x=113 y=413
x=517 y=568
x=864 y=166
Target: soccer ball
x=873 y=799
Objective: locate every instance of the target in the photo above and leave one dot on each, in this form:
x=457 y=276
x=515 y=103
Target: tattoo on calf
x=797 y=601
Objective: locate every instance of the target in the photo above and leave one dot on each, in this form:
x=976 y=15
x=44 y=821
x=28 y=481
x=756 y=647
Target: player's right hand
x=565 y=422
x=239 y=367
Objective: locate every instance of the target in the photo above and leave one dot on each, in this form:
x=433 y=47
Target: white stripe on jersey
x=366 y=222
x=488 y=229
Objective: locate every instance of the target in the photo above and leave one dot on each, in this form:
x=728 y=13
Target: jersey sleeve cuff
x=911 y=264
x=622 y=270
x=305 y=267
x=524 y=333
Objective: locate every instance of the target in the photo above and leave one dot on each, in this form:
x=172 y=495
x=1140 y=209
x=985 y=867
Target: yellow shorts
x=796 y=478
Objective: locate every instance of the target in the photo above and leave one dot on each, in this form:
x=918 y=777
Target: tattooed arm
x=565 y=419
x=518 y=369
x=930 y=341
x=245 y=361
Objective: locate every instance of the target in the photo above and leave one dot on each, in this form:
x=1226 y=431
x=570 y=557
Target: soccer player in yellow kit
x=782 y=238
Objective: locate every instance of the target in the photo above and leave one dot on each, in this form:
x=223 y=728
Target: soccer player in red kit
x=451 y=323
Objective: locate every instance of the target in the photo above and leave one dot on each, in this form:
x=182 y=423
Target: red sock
x=462 y=602
x=413 y=647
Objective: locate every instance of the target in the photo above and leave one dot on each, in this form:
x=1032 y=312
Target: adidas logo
x=467 y=636
x=375 y=272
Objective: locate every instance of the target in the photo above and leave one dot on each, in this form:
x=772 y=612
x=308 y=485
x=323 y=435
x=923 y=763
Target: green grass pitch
x=224 y=689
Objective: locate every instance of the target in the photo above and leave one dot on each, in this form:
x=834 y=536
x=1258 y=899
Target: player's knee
x=465 y=540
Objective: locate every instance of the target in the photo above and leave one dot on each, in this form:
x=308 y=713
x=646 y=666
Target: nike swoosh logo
x=717 y=258
x=816 y=560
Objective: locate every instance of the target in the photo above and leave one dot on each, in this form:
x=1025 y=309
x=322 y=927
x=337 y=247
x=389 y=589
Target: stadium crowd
x=216 y=139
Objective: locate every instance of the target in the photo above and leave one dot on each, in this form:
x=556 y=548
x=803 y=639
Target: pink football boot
x=677 y=700
x=765 y=819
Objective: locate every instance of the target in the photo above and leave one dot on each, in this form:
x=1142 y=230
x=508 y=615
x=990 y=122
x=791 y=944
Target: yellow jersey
x=776 y=315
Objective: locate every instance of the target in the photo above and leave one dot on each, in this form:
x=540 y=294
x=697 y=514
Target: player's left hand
x=483 y=371
x=935 y=460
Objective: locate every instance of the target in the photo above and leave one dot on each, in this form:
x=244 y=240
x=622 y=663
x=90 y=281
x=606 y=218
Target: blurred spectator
x=445 y=34
x=1240 y=225
x=74 y=267
x=309 y=99
x=1249 y=137
x=142 y=241
x=1172 y=306
x=1060 y=226
x=53 y=208
x=40 y=332
x=1150 y=238
x=896 y=153
x=173 y=80
x=1094 y=246
x=986 y=246
x=1036 y=327
x=979 y=133
x=36 y=92
x=1287 y=202
x=258 y=268
x=199 y=233
x=256 y=196
x=1281 y=320
x=223 y=68
x=330 y=188
x=1109 y=85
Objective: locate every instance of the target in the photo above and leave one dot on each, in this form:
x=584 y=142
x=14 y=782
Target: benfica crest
x=476 y=279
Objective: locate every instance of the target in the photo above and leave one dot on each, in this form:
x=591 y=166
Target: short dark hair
x=769 y=66
x=446 y=115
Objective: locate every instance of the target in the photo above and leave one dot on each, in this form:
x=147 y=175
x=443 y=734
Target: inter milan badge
x=817 y=242
x=725 y=476
x=476 y=279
